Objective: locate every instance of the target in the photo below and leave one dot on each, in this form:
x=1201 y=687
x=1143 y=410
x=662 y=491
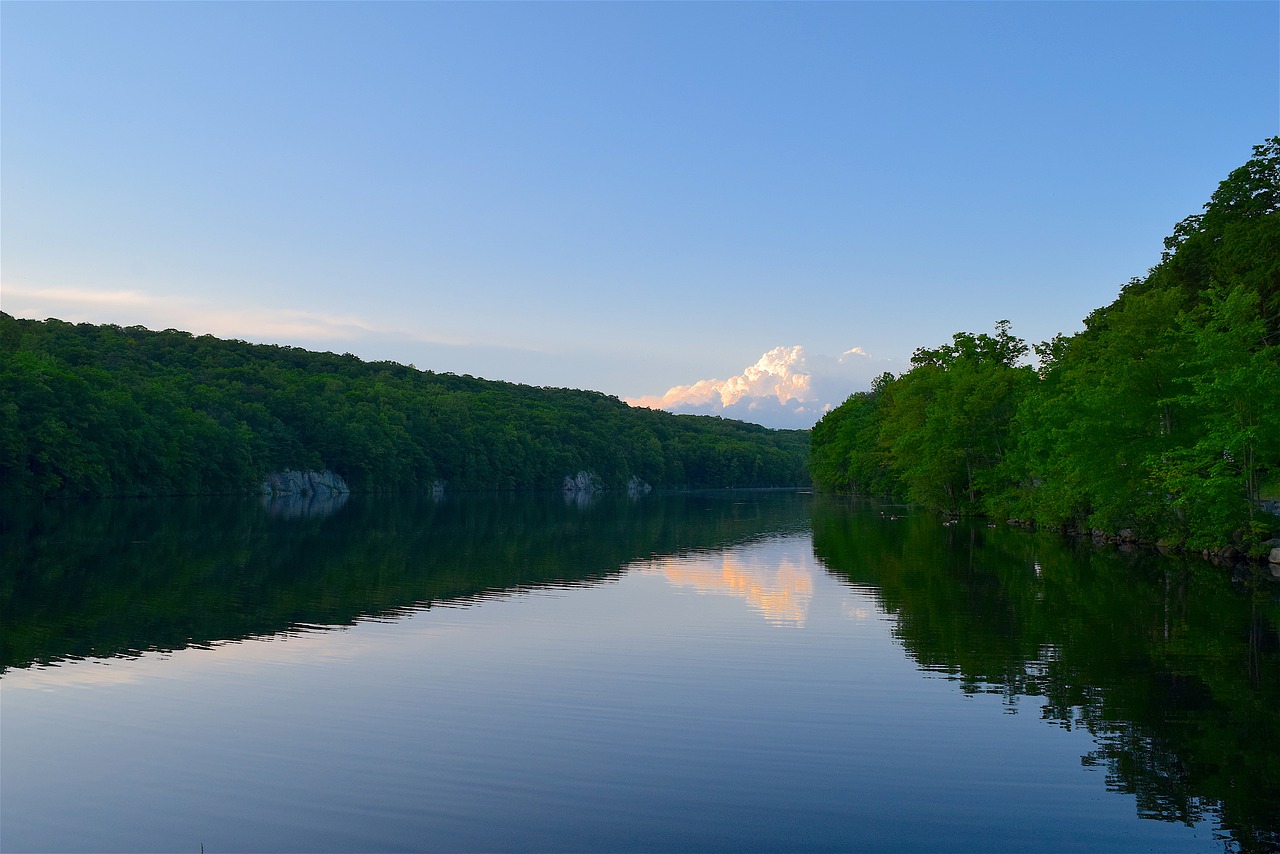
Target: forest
x=1158 y=422
x=97 y=410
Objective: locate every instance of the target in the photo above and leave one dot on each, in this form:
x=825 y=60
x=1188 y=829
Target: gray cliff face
x=319 y=483
x=583 y=487
x=588 y=483
x=583 y=483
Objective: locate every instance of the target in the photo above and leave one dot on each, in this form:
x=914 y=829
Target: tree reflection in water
x=1170 y=663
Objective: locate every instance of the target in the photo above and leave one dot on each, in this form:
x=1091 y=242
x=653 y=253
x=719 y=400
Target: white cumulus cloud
x=786 y=387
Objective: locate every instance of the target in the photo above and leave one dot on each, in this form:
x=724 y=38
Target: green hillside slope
x=105 y=410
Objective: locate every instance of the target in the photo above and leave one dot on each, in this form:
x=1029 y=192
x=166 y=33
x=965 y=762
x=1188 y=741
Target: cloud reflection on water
x=776 y=585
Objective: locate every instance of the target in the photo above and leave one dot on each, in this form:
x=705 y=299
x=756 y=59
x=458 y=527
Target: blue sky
x=627 y=197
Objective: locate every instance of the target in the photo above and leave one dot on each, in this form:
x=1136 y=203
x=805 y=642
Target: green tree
x=846 y=455
x=946 y=421
x=1232 y=407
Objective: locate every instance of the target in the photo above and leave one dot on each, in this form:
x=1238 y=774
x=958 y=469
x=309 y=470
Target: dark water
x=767 y=671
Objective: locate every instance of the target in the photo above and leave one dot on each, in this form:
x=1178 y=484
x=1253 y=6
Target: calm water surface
x=764 y=671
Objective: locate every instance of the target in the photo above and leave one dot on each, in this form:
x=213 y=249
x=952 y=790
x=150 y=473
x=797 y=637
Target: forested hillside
x=105 y=410
x=1159 y=421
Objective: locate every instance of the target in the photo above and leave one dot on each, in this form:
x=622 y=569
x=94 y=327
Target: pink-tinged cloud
x=199 y=316
x=787 y=387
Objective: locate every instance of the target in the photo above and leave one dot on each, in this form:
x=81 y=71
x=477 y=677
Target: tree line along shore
x=1159 y=422
x=98 y=410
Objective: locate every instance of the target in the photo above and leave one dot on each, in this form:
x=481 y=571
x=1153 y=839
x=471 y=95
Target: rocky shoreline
x=1126 y=539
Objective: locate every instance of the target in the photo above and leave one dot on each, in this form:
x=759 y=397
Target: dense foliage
x=1160 y=420
x=105 y=410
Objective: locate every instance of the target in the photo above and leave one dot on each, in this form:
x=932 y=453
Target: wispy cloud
x=786 y=387
x=200 y=316
x=11 y=293
x=406 y=337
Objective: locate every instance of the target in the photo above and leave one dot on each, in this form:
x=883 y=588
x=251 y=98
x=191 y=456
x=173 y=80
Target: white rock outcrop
x=320 y=483
x=582 y=483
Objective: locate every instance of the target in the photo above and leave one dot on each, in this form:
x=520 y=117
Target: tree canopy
x=1160 y=419
x=103 y=410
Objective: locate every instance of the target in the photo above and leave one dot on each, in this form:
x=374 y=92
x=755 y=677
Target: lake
x=727 y=671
